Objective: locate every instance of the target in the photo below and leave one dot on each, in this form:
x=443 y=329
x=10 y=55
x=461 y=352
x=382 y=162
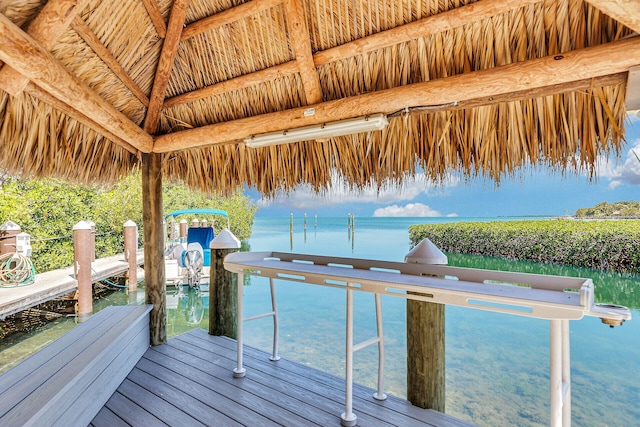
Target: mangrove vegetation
x=607 y=244
x=48 y=209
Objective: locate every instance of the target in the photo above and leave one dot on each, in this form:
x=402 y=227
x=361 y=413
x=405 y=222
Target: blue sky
x=536 y=192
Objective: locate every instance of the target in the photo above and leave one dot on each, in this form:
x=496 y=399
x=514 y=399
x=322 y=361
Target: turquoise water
x=497 y=365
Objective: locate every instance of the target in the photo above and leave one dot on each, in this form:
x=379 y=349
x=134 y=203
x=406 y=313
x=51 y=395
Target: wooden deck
x=52 y=284
x=189 y=382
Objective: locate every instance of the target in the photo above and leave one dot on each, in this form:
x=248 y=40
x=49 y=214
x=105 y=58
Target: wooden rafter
x=228 y=16
x=32 y=60
x=523 y=78
x=165 y=65
x=156 y=17
x=431 y=25
x=428 y=26
x=248 y=80
x=100 y=49
x=626 y=12
x=51 y=22
x=299 y=39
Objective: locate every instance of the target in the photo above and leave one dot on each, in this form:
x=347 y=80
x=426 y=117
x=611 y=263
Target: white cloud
x=304 y=197
x=626 y=172
x=411 y=209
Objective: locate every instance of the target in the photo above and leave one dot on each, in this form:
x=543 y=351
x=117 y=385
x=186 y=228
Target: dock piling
x=8 y=232
x=130 y=253
x=223 y=286
x=82 y=254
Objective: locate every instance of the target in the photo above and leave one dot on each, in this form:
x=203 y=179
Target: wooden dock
x=52 y=284
x=189 y=381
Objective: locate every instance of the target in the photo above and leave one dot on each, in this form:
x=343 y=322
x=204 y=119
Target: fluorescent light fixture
x=324 y=130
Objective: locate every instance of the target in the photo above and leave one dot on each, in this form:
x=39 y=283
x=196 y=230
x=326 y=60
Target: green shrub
x=609 y=245
x=48 y=209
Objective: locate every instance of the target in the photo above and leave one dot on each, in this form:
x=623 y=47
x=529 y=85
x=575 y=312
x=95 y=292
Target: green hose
x=16 y=270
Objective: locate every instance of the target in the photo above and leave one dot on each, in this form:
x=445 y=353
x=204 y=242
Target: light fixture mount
x=320 y=131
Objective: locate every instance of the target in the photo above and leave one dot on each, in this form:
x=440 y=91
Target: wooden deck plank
x=129 y=411
x=335 y=383
x=194 y=371
x=106 y=418
x=368 y=409
x=201 y=386
x=259 y=400
x=175 y=394
x=311 y=400
x=165 y=411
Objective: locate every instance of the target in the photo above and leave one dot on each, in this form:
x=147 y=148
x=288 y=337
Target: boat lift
x=555 y=298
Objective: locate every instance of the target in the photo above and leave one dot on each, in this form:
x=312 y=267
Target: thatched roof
x=483 y=87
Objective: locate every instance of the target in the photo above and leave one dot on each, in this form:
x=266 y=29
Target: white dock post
x=239 y=371
x=82 y=268
x=130 y=253
x=348 y=418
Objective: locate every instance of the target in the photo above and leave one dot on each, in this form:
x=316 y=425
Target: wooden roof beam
x=248 y=80
x=156 y=17
x=431 y=25
x=227 y=17
x=299 y=39
x=101 y=50
x=32 y=60
x=626 y=12
x=165 y=65
x=522 y=79
x=51 y=22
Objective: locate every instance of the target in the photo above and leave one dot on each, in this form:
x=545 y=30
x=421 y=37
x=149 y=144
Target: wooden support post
x=130 y=253
x=204 y=223
x=183 y=229
x=425 y=355
x=154 y=274
x=93 y=240
x=195 y=223
x=82 y=251
x=223 y=287
x=8 y=232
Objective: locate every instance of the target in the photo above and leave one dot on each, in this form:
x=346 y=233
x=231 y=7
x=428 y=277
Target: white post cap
x=130 y=223
x=82 y=225
x=225 y=240
x=10 y=226
x=426 y=252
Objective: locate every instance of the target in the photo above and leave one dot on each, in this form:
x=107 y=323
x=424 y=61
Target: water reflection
x=187 y=308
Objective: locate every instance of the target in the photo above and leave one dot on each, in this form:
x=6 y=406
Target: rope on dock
x=16 y=270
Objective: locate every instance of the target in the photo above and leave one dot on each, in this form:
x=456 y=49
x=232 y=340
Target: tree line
x=48 y=209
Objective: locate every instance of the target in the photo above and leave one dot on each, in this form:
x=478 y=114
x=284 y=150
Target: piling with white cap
x=223 y=287
x=425 y=339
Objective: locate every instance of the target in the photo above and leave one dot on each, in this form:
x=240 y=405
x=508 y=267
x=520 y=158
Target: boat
x=187 y=251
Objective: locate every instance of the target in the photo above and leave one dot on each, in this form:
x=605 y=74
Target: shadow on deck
x=189 y=382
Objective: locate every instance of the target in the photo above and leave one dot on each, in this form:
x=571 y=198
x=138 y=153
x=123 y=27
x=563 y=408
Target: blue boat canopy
x=197 y=212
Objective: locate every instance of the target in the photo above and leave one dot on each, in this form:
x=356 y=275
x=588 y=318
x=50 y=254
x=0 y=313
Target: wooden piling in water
x=130 y=253
x=223 y=287
x=82 y=254
x=425 y=355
